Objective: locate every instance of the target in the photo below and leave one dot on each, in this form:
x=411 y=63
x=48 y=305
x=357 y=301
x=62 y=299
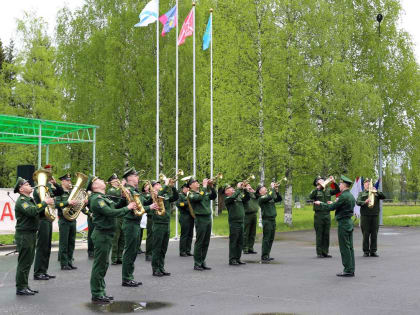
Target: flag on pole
x=168 y=20
x=207 y=35
x=187 y=28
x=357 y=187
x=149 y=14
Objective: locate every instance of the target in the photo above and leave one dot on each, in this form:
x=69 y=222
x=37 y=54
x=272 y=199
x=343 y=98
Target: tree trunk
x=260 y=97
x=288 y=200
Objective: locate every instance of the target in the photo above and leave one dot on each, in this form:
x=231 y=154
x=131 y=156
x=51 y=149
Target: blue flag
x=207 y=35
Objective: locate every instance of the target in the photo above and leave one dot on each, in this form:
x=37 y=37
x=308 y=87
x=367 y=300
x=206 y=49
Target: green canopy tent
x=22 y=130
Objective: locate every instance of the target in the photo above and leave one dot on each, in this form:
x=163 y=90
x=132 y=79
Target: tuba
x=79 y=194
x=371 y=195
x=42 y=177
x=132 y=198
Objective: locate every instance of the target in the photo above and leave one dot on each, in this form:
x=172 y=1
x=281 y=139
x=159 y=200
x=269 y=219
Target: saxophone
x=132 y=198
x=79 y=194
x=42 y=177
x=371 y=196
x=159 y=201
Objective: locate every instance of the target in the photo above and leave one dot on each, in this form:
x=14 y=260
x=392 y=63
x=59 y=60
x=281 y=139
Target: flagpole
x=211 y=109
x=176 y=118
x=194 y=110
x=157 y=93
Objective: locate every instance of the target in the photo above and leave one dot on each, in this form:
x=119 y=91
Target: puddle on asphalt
x=126 y=307
x=390 y=233
x=272 y=262
x=274 y=314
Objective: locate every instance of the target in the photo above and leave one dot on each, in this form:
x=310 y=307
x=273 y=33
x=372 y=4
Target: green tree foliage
x=300 y=89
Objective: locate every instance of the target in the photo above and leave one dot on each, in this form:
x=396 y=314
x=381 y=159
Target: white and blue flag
x=149 y=14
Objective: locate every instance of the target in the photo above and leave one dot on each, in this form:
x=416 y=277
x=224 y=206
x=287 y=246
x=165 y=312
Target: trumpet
x=172 y=179
x=246 y=181
x=327 y=182
x=277 y=184
x=214 y=179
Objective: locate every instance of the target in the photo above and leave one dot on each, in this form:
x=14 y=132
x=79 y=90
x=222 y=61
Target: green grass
x=302 y=220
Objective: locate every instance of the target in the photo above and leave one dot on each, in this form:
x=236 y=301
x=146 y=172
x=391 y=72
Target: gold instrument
x=42 y=177
x=371 y=195
x=277 y=184
x=79 y=194
x=246 y=181
x=326 y=182
x=214 y=179
x=172 y=179
x=132 y=198
x=159 y=201
x=190 y=208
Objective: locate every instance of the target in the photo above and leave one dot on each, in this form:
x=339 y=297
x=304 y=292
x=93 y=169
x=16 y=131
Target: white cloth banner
x=8 y=217
x=357 y=187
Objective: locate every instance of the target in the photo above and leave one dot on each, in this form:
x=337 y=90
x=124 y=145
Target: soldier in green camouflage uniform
x=267 y=202
x=67 y=229
x=369 y=220
x=104 y=213
x=149 y=226
x=131 y=228
x=344 y=208
x=251 y=207
x=114 y=193
x=199 y=200
x=27 y=221
x=161 y=226
x=44 y=235
x=322 y=219
x=234 y=204
x=187 y=223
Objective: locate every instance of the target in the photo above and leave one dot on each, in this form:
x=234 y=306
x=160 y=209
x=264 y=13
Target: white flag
x=149 y=14
x=357 y=187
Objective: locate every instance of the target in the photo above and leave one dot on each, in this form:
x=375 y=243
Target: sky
x=48 y=9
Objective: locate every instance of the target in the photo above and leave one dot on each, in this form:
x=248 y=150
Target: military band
x=114 y=222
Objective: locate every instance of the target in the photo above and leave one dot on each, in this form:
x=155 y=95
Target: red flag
x=187 y=28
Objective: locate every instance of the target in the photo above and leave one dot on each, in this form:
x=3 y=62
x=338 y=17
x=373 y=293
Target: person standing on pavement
x=369 y=219
x=344 y=209
x=27 y=222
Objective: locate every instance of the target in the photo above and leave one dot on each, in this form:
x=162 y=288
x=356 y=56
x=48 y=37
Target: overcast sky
x=13 y=9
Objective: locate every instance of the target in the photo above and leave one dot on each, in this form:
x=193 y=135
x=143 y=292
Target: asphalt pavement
x=295 y=283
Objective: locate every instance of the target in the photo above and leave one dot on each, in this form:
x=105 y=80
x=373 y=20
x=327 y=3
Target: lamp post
x=379 y=19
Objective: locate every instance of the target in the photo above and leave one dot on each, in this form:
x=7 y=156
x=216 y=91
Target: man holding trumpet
x=322 y=218
x=199 y=200
x=267 y=202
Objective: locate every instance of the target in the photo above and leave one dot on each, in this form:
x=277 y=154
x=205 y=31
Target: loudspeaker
x=26 y=172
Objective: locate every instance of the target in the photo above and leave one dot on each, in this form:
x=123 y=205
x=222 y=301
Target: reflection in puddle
x=274 y=314
x=389 y=233
x=272 y=262
x=126 y=306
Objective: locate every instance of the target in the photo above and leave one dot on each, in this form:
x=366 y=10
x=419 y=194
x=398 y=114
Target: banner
x=8 y=217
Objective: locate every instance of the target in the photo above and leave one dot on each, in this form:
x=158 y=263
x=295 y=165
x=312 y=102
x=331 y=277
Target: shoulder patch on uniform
x=39 y=205
x=101 y=203
x=161 y=189
x=61 y=204
x=182 y=204
x=25 y=205
x=201 y=192
x=270 y=193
